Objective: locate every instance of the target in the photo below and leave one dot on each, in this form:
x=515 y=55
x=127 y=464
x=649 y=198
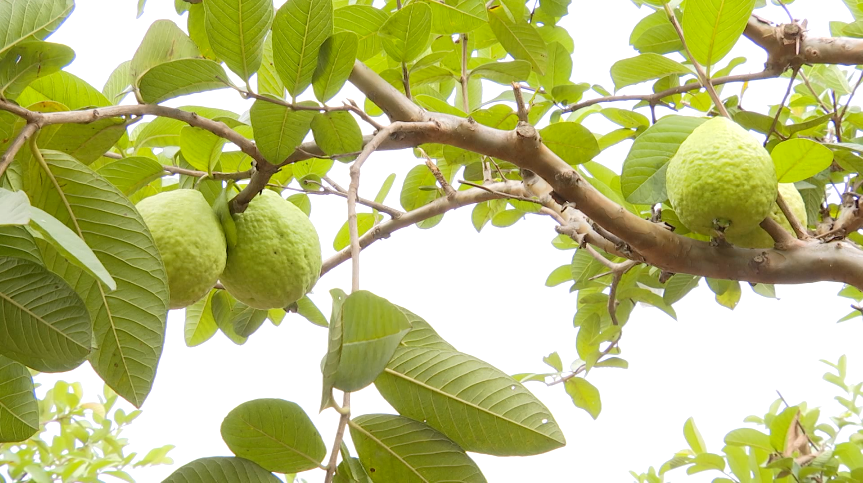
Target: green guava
x=721 y=176
x=189 y=238
x=758 y=238
x=277 y=258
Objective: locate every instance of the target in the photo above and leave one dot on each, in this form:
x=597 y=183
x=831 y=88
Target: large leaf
x=398 y=449
x=371 y=330
x=236 y=31
x=799 y=159
x=44 y=324
x=571 y=141
x=221 y=469
x=274 y=433
x=407 y=34
x=520 y=39
x=19 y=409
x=28 y=61
x=14 y=207
x=365 y=21
x=200 y=324
x=132 y=173
x=712 y=27
x=422 y=334
x=129 y=323
x=70 y=245
x=644 y=67
x=163 y=42
x=17 y=242
x=643 y=177
x=299 y=30
x=335 y=62
x=30 y=19
x=181 y=77
x=476 y=405
x=467 y=16
x=278 y=130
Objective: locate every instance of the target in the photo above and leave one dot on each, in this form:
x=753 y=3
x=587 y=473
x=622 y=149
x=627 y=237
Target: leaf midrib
x=272 y=438
x=40 y=319
x=387 y=448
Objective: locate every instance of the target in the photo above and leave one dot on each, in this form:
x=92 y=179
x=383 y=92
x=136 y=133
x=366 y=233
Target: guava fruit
x=189 y=238
x=277 y=257
x=758 y=238
x=721 y=176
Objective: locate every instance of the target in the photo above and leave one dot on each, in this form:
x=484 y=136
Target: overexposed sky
x=485 y=294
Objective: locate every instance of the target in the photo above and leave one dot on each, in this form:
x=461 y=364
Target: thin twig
x=779 y=108
x=214 y=175
x=394 y=213
x=502 y=195
x=26 y=133
x=406 y=80
x=798 y=227
x=464 y=79
x=519 y=102
x=851 y=96
x=345 y=411
x=702 y=75
x=814 y=94
x=448 y=190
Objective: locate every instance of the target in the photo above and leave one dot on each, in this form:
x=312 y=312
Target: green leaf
x=19 y=409
x=70 y=245
x=128 y=323
x=28 y=61
x=276 y=434
x=520 y=39
x=246 y=320
x=422 y=334
x=365 y=21
x=236 y=30
x=584 y=395
x=615 y=362
x=365 y=222
x=181 y=77
x=335 y=63
x=407 y=33
x=503 y=72
x=22 y=20
x=553 y=360
x=435 y=104
x=412 y=197
x=569 y=94
x=693 y=437
x=196 y=25
x=337 y=132
x=573 y=142
x=560 y=275
x=17 y=242
x=749 y=437
x=799 y=159
x=302 y=201
x=334 y=347
x=765 y=290
x=163 y=42
x=643 y=177
x=221 y=469
x=465 y=17
x=654 y=33
x=372 y=328
x=201 y=148
x=14 y=207
x=559 y=68
x=473 y=403
x=225 y=310
x=45 y=324
x=712 y=27
x=200 y=325
x=779 y=427
x=394 y=448
x=131 y=174
x=278 y=130
x=310 y=311
x=678 y=286
x=299 y=30
x=385 y=188
x=730 y=297
x=269 y=82
x=644 y=67
x=505 y=218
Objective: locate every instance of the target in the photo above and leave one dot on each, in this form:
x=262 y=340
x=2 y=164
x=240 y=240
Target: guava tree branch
x=26 y=133
x=837 y=261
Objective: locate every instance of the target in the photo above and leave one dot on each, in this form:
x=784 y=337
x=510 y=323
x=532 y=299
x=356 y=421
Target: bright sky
x=485 y=294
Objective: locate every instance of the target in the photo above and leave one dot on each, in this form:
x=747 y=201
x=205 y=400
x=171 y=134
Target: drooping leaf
x=520 y=39
x=128 y=323
x=310 y=311
x=22 y=20
x=407 y=33
x=371 y=330
x=276 y=434
x=584 y=395
x=644 y=67
x=476 y=405
x=334 y=347
x=643 y=177
x=236 y=31
x=299 y=29
x=394 y=448
x=200 y=324
x=221 y=469
x=44 y=324
x=571 y=141
x=19 y=409
x=278 y=130
x=712 y=27
x=28 y=61
x=181 y=77
x=693 y=437
x=335 y=62
x=678 y=286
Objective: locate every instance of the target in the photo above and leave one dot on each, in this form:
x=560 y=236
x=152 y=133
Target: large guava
x=277 y=257
x=758 y=238
x=189 y=238
x=721 y=177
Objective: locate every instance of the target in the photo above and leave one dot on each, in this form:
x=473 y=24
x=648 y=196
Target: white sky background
x=485 y=294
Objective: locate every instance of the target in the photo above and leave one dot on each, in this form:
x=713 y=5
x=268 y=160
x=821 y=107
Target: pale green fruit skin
x=758 y=238
x=721 y=172
x=277 y=259
x=189 y=238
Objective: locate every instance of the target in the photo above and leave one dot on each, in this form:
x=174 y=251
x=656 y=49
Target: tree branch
x=345 y=416
x=26 y=133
